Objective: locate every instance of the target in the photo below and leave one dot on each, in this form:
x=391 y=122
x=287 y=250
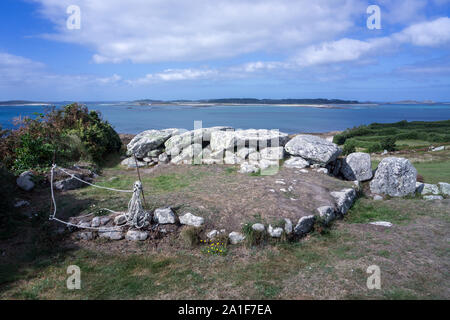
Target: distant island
x=250 y=101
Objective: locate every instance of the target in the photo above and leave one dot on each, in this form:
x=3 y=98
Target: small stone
x=377 y=197
x=327 y=213
x=287 y=226
x=236 y=237
x=426 y=188
x=258 y=227
x=275 y=232
x=191 y=220
x=280 y=182
x=21 y=203
x=248 y=168
x=433 y=198
x=212 y=234
x=136 y=235
x=382 y=223
x=95 y=222
x=120 y=220
x=303 y=171
x=164 y=216
x=163 y=158
x=322 y=170
x=112 y=235
x=84 y=224
x=438 y=148
x=85 y=236
x=296 y=162
x=25 y=181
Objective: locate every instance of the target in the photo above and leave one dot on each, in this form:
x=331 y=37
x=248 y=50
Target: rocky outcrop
x=357 y=166
x=149 y=140
x=395 y=177
x=25 y=181
x=313 y=148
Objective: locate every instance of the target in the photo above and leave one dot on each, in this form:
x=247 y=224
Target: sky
x=119 y=50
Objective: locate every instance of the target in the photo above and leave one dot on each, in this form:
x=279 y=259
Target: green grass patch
x=365 y=211
x=434 y=172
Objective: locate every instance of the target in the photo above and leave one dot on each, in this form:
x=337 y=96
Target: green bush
x=349 y=147
x=388 y=143
x=65 y=135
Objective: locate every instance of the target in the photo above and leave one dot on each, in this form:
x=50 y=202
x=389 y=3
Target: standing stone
x=164 y=216
x=25 y=181
x=313 y=148
x=191 y=220
x=296 y=162
x=395 y=177
x=357 y=166
x=260 y=138
x=223 y=140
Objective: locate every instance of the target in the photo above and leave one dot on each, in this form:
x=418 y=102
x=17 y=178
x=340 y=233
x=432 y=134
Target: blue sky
x=193 y=49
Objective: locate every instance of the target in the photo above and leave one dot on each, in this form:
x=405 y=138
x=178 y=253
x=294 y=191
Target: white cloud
x=174 y=75
x=193 y=30
x=431 y=33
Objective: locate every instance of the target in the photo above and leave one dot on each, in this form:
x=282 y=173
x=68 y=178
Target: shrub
x=65 y=135
x=374 y=147
x=388 y=143
x=349 y=147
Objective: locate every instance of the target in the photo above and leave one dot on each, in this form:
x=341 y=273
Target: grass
x=365 y=211
x=434 y=172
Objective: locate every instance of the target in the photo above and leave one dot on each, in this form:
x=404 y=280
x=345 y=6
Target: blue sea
x=127 y=118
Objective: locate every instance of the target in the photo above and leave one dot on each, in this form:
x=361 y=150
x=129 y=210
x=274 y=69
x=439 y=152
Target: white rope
x=135 y=216
x=93 y=185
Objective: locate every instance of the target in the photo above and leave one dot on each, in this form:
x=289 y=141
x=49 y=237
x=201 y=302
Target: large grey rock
x=177 y=143
x=395 y=177
x=223 y=140
x=344 y=199
x=69 y=184
x=188 y=154
x=149 y=140
x=236 y=237
x=131 y=163
x=25 y=181
x=444 y=188
x=304 y=225
x=136 y=235
x=357 y=166
x=164 y=216
x=296 y=162
x=272 y=153
x=191 y=220
x=313 y=148
x=260 y=138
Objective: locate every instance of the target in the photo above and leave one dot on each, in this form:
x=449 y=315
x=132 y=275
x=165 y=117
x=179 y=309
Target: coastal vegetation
x=64 y=135
x=377 y=137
